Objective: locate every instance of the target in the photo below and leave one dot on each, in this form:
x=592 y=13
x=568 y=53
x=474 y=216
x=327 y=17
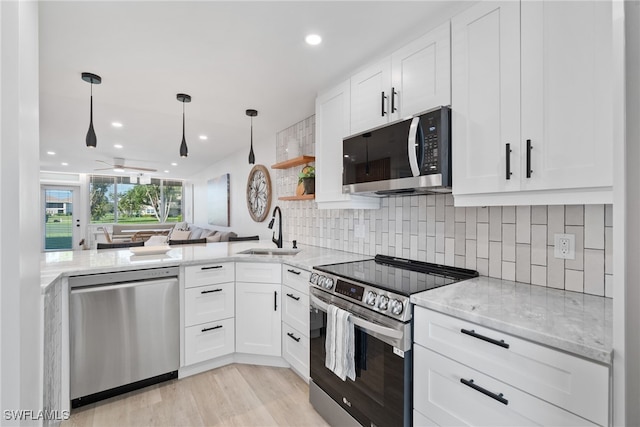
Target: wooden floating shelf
x=296 y=161
x=303 y=197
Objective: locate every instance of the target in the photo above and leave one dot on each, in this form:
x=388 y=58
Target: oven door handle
x=362 y=323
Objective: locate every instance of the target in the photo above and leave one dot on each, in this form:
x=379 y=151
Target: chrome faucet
x=277 y=241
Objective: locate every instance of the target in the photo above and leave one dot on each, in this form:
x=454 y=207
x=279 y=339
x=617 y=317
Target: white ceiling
x=229 y=56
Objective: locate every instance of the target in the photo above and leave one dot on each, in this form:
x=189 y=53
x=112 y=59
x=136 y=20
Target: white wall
x=20 y=308
x=238 y=167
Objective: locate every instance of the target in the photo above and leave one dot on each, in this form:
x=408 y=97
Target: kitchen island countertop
x=74 y=263
x=577 y=323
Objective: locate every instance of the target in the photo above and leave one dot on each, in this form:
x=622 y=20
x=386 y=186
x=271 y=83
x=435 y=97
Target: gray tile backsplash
x=509 y=242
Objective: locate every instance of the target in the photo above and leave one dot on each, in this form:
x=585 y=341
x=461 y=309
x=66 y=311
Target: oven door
x=381 y=392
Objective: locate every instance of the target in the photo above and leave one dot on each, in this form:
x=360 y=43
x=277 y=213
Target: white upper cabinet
x=485 y=86
x=332 y=125
x=567 y=94
x=416 y=78
x=421 y=74
x=370 y=92
x=537 y=76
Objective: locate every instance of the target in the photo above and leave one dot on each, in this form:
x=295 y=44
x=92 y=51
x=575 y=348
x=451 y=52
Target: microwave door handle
x=358 y=321
x=411 y=146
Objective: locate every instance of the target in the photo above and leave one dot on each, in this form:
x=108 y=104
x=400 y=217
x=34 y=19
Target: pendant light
x=182 y=97
x=91 y=139
x=252 y=158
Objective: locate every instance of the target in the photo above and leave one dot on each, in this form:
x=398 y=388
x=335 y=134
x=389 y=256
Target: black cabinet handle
x=293 y=337
x=293 y=297
x=210 y=291
x=212 y=328
x=213 y=267
x=275 y=300
x=529 y=148
x=382 y=98
x=508 y=161
x=498 y=397
x=393 y=100
x=473 y=333
x=291 y=270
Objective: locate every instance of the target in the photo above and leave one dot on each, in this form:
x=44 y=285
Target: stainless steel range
x=376 y=293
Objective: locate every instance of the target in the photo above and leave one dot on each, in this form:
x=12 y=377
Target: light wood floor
x=234 y=395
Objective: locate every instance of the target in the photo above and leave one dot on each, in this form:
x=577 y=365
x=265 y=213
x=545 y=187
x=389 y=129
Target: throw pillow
x=214 y=237
x=182 y=226
x=180 y=235
x=156 y=241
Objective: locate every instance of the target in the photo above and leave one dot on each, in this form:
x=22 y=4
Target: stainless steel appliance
x=376 y=293
x=406 y=157
x=124 y=332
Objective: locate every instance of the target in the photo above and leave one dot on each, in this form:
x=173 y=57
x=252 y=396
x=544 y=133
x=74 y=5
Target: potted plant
x=307 y=177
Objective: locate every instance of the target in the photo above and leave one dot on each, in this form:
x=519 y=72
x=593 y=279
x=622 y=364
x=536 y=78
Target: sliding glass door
x=61 y=222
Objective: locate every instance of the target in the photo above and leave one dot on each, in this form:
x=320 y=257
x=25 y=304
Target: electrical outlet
x=359 y=230
x=565 y=246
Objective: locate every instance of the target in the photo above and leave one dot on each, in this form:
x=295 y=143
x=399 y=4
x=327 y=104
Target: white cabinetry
x=295 y=318
x=532 y=103
x=370 y=90
x=332 y=125
x=258 y=307
x=208 y=312
x=515 y=382
x=414 y=79
x=421 y=74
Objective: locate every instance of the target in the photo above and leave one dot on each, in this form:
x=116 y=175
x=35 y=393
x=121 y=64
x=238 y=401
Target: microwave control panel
x=431 y=163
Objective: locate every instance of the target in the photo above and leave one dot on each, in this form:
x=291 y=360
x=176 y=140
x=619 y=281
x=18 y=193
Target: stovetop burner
x=399 y=275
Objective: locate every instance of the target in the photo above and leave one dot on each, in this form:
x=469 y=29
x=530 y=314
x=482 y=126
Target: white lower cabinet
x=295 y=350
x=208 y=341
x=295 y=318
x=454 y=394
x=206 y=303
x=258 y=321
x=554 y=383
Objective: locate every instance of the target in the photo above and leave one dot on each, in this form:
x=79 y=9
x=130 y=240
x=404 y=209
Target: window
x=118 y=199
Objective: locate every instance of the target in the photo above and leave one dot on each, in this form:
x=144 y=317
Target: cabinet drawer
x=295 y=349
x=209 y=303
x=295 y=309
x=440 y=392
x=296 y=278
x=258 y=272
x=208 y=274
x=570 y=382
x=208 y=341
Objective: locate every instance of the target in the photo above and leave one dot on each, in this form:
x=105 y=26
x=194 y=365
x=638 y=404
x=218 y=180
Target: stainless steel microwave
x=410 y=156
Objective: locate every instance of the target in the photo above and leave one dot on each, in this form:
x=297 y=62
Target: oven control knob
x=396 y=306
x=328 y=283
x=383 y=302
x=314 y=278
x=371 y=299
x=321 y=280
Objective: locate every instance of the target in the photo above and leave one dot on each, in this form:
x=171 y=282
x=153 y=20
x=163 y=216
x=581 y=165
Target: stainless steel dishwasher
x=124 y=332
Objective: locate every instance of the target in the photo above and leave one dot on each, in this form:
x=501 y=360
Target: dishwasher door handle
x=100 y=288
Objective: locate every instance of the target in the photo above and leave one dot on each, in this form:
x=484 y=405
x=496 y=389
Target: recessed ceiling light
x=118 y=146
x=313 y=39
x=116 y=124
x=203 y=137
x=166 y=171
x=174 y=164
x=64 y=164
x=51 y=153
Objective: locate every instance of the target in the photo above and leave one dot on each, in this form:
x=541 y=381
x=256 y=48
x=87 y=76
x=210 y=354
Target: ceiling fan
x=119 y=166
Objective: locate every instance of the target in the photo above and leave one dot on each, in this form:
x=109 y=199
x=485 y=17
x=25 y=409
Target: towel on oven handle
x=339 y=345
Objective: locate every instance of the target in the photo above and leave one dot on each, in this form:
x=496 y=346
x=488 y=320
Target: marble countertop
x=73 y=263
x=577 y=323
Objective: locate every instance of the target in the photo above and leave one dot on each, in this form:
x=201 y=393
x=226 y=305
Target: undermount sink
x=269 y=251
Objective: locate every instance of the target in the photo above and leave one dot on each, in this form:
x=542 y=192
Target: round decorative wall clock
x=259 y=193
